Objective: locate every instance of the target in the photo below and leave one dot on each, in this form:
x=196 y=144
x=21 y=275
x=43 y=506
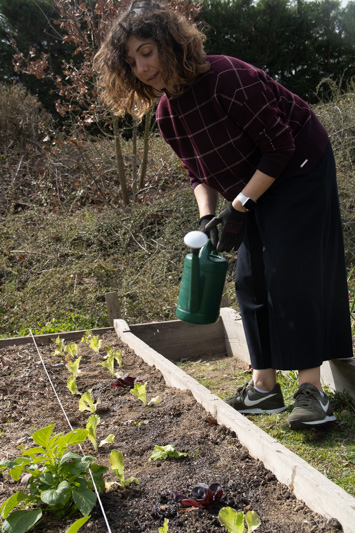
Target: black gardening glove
x=232 y=230
x=212 y=234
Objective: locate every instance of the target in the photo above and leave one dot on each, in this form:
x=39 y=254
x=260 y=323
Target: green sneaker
x=310 y=408
x=249 y=400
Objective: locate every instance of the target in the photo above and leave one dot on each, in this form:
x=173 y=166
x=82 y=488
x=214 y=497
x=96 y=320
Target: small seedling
x=92 y=423
x=140 y=390
x=116 y=354
x=72 y=386
x=109 y=440
x=165 y=527
x=60 y=347
x=116 y=462
x=73 y=367
x=233 y=520
x=86 y=403
x=160 y=453
x=95 y=344
x=109 y=363
x=72 y=350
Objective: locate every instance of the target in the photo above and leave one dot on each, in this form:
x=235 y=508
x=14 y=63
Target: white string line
x=71 y=428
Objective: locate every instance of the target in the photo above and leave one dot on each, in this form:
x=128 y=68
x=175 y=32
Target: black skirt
x=291 y=277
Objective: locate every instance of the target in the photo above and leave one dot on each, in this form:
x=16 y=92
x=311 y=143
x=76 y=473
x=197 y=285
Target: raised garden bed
x=196 y=422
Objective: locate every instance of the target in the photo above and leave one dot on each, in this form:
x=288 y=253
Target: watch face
x=249 y=204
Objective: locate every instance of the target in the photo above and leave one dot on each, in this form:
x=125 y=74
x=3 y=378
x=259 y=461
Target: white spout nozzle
x=195 y=239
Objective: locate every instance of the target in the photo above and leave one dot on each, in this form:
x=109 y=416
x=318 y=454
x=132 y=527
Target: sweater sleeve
x=251 y=102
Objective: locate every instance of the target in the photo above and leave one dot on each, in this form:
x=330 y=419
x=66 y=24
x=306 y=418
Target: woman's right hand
x=212 y=233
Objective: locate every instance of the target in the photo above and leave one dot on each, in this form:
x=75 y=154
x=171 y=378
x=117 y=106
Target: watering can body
x=201 y=286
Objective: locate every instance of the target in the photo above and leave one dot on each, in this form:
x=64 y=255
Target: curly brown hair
x=181 y=52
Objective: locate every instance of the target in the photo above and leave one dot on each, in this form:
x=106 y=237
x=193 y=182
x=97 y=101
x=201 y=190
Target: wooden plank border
x=49 y=337
x=313 y=488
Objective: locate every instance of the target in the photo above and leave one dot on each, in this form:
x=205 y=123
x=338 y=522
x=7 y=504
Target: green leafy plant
x=72 y=386
x=109 y=440
x=165 y=527
x=59 y=480
x=95 y=343
x=86 y=402
x=92 y=423
x=111 y=357
x=60 y=347
x=140 y=390
x=72 y=350
x=233 y=520
x=116 y=462
x=160 y=453
x=77 y=524
x=73 y=367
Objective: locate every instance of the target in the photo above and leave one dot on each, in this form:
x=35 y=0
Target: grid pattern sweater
x=235 y=119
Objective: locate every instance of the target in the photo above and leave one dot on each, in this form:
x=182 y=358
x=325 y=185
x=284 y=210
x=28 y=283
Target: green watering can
x=202 y=281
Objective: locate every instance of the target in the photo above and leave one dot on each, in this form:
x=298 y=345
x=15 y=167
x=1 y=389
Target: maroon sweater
x=235 y=119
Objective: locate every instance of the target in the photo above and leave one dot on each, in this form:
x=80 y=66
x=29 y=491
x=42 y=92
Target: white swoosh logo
x=325 y=407
x=250 y=403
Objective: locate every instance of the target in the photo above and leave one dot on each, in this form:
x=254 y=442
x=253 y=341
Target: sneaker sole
x=259 y=411
x=301 y=424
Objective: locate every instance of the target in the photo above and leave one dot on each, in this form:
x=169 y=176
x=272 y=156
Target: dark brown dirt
x=28 y=403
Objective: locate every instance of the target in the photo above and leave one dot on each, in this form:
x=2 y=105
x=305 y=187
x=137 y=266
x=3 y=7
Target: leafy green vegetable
x=116 y=462
x=95 y=343
x=91 y=426
x=160 y=453
x=86 y=402
x=165 y=527
x=73 y=367
x=233 y=520
x=59 y=479
x=109 y=440
x=140 y=390
x=60 y=349
x=72 y=386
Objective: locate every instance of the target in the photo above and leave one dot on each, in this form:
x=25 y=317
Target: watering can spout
x=202 y=281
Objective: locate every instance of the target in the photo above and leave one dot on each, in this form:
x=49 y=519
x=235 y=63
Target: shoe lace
x=304 y=397
x=241 y=390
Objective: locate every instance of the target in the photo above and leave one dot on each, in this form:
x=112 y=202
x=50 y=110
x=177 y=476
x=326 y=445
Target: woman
x=244 y=136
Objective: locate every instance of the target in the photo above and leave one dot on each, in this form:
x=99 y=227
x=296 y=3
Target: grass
x=331 y=449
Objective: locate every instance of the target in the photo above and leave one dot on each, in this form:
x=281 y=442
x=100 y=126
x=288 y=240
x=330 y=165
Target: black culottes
x=290 y=276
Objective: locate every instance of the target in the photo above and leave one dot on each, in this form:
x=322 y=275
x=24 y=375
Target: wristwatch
x=246 y=202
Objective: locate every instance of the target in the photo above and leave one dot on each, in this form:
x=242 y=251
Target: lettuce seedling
x=109 y=440
x=116 y=354
x=202 y=495
x=95 y=344
x=233 y=520
x=60 y=349
x=92 y=423
x=160 y=453
x=165 y=527
x=59 y=480
x=73 y=367
x=109 y=363
x=140 y=390
x=72 y=350
x=86 y=402
x=72 y=386
x=116 y=462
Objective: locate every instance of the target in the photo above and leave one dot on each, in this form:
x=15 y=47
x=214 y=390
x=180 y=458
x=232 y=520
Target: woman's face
x=143 y=58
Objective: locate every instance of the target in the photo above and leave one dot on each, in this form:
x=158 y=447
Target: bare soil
x=28 y=403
